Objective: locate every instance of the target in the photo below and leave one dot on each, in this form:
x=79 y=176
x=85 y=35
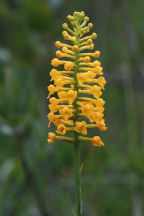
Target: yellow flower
x=68 y=95
x=94 y=116
x=55 y=62
x=81 y=77
x=58 y=54
x=91 y=116
x=53 y=104
x=96 y=91
x=66 y=112
x=62 y=94
x=97 y=63
x=98 y=70
x=51 y=118
x=96 y=141
x=68 y=66
x=57 y=120
x=81 y=127
x=90 y=75
x=86 y=108
x=71 y=95
x=87 y=59
x=99 y=109
x=98 y=115
x=54 y=74
x=75 y=48
x=51 y=137
x=53 y=108
x=61 y=129
x=100 y=102
x=60 y=82
x=101 y=125
x=101 y=81
x=97 y=54
x=51 y=89
x=53 y=100
x=58 y=44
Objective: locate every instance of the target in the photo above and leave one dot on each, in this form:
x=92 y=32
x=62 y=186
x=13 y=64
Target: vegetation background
x=36 y=179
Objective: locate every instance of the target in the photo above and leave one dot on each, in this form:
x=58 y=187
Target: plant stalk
x=77 y=177
x=76 y=117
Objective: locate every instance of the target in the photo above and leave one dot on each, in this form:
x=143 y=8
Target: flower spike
x=81 y=77
x=79 y=85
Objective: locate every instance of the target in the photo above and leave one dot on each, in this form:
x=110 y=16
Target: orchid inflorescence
x=80 y=76
x=79 y=86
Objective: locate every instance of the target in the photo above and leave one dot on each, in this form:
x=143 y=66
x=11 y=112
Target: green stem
x=76 y=117
x=78 y=178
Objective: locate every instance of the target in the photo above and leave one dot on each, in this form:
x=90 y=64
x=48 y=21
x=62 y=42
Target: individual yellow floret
x=81 y=127
x=101 y=125
x=66 y=112
x=101 y=81
x=51 y=137
x=90 y=75
x=99 y=109
x=66 y=36
x=51 y=89
x=75 y=48
x=58 y=54
x=58 y=44
x=98 y=70
x=96 y=91
x=100 y=102
x=90 y=25
x=87 y=59
x=89 y=41
x=86 y=108
x=70 y=18
x=62 y=94
x=65 y=50
x=55 y=62
x=53 y=100
x=51 y=118
x=53 y=108
x=91 y=46
x=65 y=25
x=96 y=63
x=57 y=120
x=68 y=66
x=97 y=54
x=61 y=129
x=97 y=115
x=72 y=94
x=94 y=35
x=96 y=141
x=54 y=73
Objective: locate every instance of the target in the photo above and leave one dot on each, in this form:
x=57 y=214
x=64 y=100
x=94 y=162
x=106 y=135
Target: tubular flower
x=61 y=129
x=96 y=141
x=51 y=137
x=81 y=127
x=78 y=85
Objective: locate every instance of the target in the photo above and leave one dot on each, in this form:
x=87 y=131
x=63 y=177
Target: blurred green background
x=36 y=179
